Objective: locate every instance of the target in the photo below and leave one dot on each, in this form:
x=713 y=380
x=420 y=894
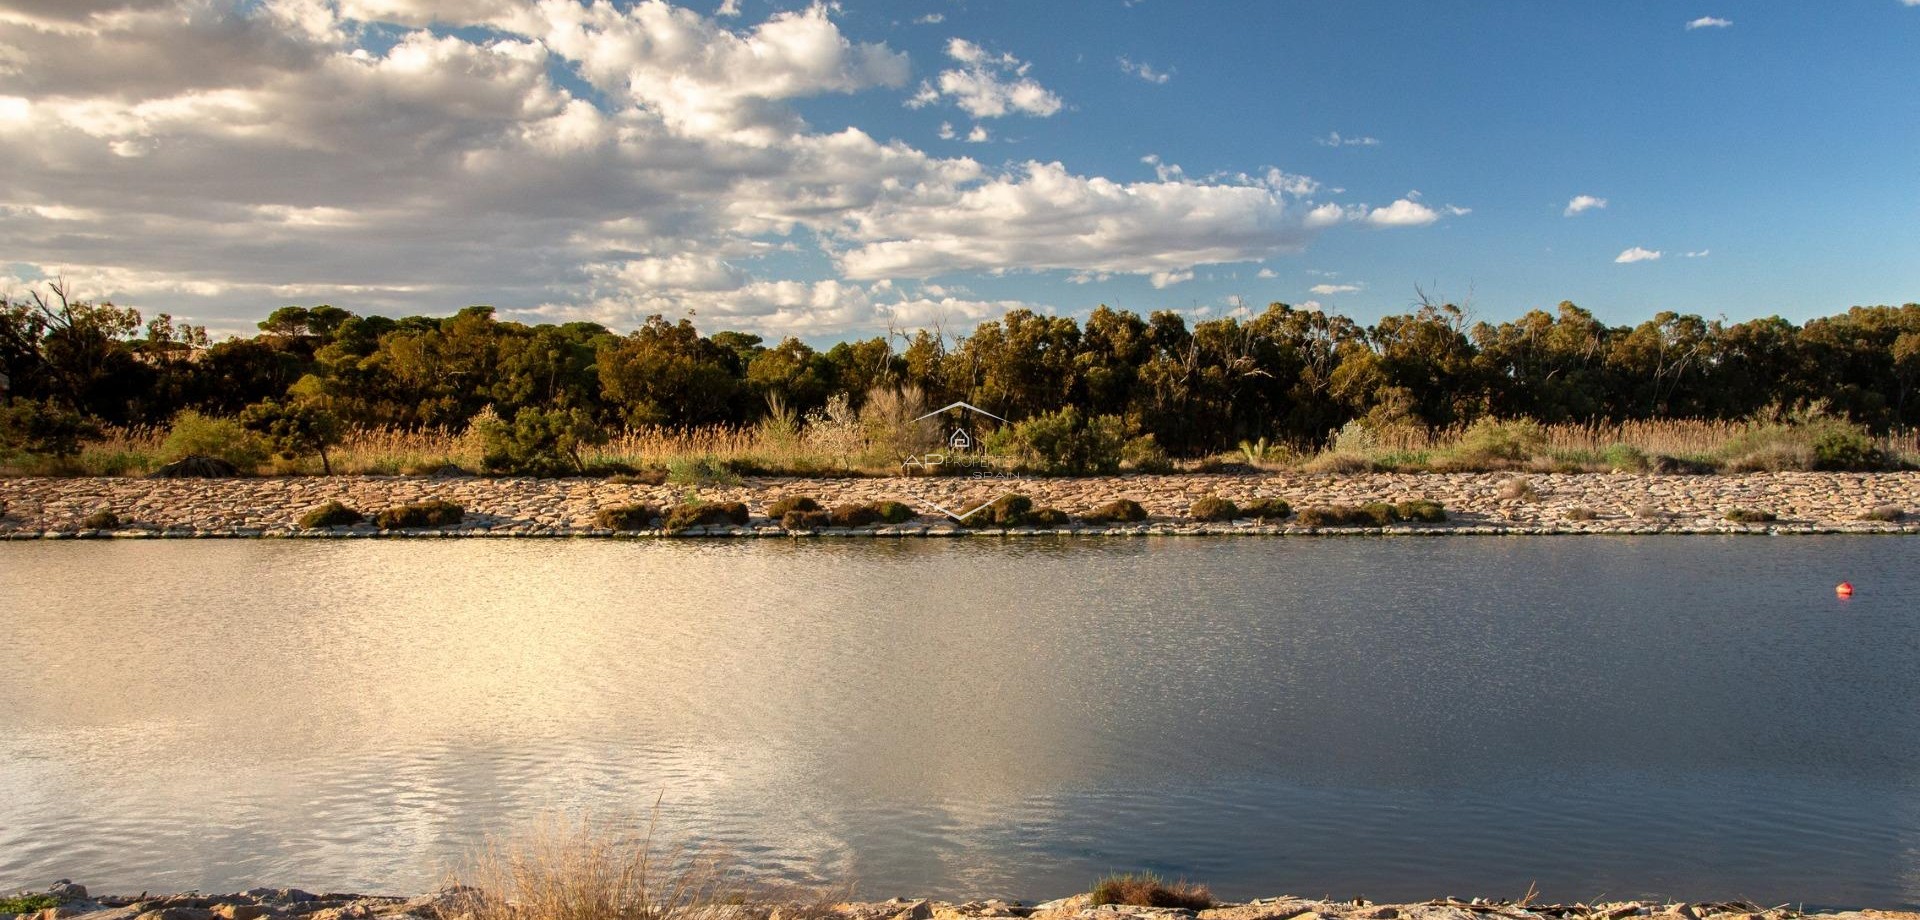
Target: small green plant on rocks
x=1048 y=517
x=854 y=516
x=1267 y=509
x=1148 y=890
x=893 y=512
x=1118 y=511
x=627 y=517
x=1213 y=508
x=780 y=506
x=433 y=512
x=709 y=514
x=331 y=514
x=104 y=519
x=28 y=903
x=1421 y=511
x=1886 y=513
x=802 y=520
x=1750 y=516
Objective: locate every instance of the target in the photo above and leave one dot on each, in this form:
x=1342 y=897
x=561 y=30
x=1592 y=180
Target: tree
x=539 y=442
x=295 y=427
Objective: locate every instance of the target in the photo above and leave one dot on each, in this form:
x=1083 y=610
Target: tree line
x=1287 y=374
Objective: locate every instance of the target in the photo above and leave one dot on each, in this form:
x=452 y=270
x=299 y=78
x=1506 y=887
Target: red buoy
x=1844 y=589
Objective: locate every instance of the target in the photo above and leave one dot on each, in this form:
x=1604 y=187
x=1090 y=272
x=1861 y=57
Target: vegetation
x=433 y=512
x=790 y=503
x=104 y=519
x=626 y=517
x=27 y=903
x=697 y=513
x=801 y=519
x=1375 y=514
x=1751 y=516
x=1118 y=511
x=1267 y=509
x=96 y=388
x=1581 y=513
x=595 y=870
x=1213 y=508
x=1148 y=890
x=331 y=514
x=1884 y=513
x=1420 y=511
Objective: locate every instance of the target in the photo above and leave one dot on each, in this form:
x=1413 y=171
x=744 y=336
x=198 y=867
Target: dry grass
x=583 y=869
x=1145 y=889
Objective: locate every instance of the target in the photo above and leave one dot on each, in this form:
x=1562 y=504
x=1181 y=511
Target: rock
x=177 y=913
x=232 y=911
x=67 y=891
x=1274 y=910
x=450 y=901
x=918 y=910
x=280 y=895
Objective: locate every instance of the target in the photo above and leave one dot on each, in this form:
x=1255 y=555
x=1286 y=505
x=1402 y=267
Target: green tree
x=295 y=427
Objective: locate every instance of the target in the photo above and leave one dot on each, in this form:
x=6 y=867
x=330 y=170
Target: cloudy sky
x=826 y=170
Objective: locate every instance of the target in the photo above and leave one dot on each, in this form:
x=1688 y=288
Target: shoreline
x=1621 y=504
x=455 y=903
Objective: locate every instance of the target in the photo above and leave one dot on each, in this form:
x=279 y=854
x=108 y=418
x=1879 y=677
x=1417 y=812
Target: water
x=1690 y=717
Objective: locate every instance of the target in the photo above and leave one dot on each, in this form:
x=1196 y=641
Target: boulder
x=176 y=913
x=239 y=911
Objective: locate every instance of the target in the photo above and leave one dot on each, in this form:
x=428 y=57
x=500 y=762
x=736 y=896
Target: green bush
x=538 y=442
x=1068 y=443
x=331 y=514
x=104 y=519
x=1048 y=517
x=1490 y=444
x=1118 y=511
x=1145 y=454
x=1267 y=509
x=893 y=512
x=701 y=471
x=1846 y=448
x=711 y=514
x=1421 y=510
x=433 y=512
x=780 y=506
x=1005 y=511
x=805 y=519
x=626 y=517
x=1750 y=516
x=1213 y=508
x=1625 y=457
x=196 y=435
x=854 y=515
x=28 y=903
x=294 y=428
x=1371 y=514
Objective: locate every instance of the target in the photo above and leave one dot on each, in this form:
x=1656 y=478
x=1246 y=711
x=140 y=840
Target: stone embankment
x=462 y=904
x=1476 y=503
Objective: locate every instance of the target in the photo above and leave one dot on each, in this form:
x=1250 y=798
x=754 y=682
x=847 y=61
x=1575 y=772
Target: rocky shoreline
x=456 y=903
x=1476 y=503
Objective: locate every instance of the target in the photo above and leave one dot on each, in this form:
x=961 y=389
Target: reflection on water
x=1692 y=717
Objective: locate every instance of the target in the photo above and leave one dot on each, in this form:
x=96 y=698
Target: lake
x=1693 y=717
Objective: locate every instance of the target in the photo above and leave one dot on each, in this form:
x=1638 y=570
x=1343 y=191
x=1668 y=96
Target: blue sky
x=1769 y=152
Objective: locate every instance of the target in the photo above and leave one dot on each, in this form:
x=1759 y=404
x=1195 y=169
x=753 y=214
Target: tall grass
x=587 y=869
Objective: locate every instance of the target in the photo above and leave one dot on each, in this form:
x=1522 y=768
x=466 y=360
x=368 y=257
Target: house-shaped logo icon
x=961 y=441
x=961 y=446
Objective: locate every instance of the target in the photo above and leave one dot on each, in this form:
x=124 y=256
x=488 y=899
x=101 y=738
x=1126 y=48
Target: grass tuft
x=1145 y=889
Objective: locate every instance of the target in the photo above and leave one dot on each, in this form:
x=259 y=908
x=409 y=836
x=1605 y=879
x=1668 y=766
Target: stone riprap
x=1476 y=503
x=456 y=903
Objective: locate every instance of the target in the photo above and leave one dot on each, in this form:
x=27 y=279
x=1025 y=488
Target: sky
x=828 y=170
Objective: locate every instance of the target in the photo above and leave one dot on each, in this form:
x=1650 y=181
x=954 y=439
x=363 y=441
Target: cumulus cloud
x=1708 y=22
x=1333 y=289
x=554 y=158
x=1267 y=273
x=1584 y=203
x=1404 y=212
x=1637 y=254
x=987 y=85
x=1145 y=71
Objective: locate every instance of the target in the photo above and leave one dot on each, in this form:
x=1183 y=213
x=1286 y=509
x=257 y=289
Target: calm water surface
x=1687 y=716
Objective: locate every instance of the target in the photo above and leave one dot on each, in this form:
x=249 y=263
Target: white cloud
x=1333 y=289
x=1703 y=253
x=1335 y=139
x=1267 y=273
x=1145 y=71
x=1168 y=279
x=946 y=131
x=1637 y=254
x=931 y=19
x=728 y=8
x=1709 y=22
x=987 y=85
x=1404 y=212
x=978 y=135
x=1584 y=203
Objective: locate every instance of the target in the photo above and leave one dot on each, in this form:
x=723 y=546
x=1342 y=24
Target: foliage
x=44 y=427
x=196 y=435
x=331 y=514
x=1267 y=509
x=1370 y=514
x=805 y=519
x=1048 y=517
x=1421 y=511
x=1750 y=516
x=1213 y=508
x=1066 y=442
x=701 y=471
x=295 y=427
x=1581 y=513
x=539 y=442
x=433 y=512
x=196 y=467
x=854 y=515
x=780 y=506
x=1884 y=513
x=1518 y=488
x=705 y=514
x=893 y=512
x=1006 y=511
x=103 y=519
x=27 y=903
x=1145 y=455
x=1118 y=511
x=1148 y=890
x=626 y=517
x=1492 y=444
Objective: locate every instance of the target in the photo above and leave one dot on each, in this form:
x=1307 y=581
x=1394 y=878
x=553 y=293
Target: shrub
x=195 y=468
x=1519 y=488
x=1371 y=514
x=104 y=519
x=698 y=471
x=1213 y=508
x=538 y=442
x=854 y=515
x=1145 y=454
x=196 y=435
x=1624 y=457
x=787 y=503
x=1884 y=513
x=893 y=512
x=433 y=512
x=331 y=514
x=1750 y=516
x=699 y=513
x=1848 y=448
x=1149 y=890
x=626 y=517
x=44 y=428
x=805 y=519
x=1421 y=510
x=28 y=903
x=1683 y=466
x=1267 y=509
x=295 y=427
x=1118 y=511
x=648 y=476
x=1010 y=510
x=1489 y=444
x=1048 y=517
x=1581 y=513
x=1067 y=442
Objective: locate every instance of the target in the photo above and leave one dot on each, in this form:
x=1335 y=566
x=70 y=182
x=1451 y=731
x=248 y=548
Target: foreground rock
x=1476 y=503
x=456 y=903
